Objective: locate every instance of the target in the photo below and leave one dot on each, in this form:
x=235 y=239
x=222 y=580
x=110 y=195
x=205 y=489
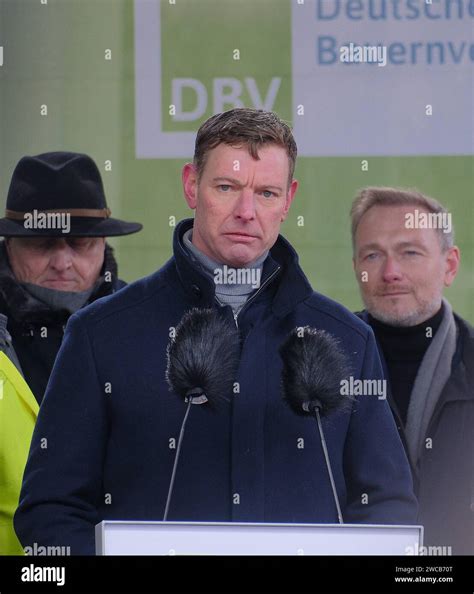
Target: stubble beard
x=417 y=315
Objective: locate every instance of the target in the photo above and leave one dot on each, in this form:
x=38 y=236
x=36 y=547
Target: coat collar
x=293 y=286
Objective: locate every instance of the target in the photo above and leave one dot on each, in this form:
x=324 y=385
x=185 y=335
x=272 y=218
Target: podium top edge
x=257 y=524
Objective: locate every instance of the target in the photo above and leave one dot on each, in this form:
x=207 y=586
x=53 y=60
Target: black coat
x=444 y=482
x=37 y=329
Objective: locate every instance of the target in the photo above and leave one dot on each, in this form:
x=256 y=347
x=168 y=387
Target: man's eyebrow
x=402 y=244
x=269 y=187
x=370 y=246
x=232 y=180
x=236 y=182
x=405 y=244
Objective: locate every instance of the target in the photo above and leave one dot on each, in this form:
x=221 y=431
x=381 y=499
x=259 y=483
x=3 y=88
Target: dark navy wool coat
x=108 y=455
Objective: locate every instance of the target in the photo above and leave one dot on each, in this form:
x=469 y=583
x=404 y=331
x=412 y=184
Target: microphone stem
x=328 y=465
x=176 y=458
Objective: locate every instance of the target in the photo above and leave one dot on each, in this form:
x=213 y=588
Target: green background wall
x=54 y=54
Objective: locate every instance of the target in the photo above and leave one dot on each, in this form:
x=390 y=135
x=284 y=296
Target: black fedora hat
x=58 y=194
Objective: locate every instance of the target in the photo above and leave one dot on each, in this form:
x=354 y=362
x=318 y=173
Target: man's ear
x=289 y=198
x=190 y=182
x=453 y=258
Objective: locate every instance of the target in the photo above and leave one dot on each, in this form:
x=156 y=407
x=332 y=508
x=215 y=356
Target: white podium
x=208 y=538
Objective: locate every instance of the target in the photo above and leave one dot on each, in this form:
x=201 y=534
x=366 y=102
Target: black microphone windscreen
x=203 y=355
x=313 y=367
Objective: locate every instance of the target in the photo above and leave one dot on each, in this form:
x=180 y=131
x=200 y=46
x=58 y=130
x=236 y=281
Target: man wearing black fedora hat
x=55 y=258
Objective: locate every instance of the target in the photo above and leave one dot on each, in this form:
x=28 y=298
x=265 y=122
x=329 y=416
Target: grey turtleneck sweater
x=233 y=285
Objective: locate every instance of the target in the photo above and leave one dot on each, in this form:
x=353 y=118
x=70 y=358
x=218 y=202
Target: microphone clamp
x=312 y=405
x=196 y=396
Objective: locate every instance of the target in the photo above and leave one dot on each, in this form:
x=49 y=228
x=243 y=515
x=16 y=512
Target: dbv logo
x=225 y=92
x=184 y=74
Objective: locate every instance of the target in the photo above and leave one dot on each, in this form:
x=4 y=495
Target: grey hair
x=371 y=196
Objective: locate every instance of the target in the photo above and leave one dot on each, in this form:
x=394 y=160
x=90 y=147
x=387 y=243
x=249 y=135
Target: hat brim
x=79 y=227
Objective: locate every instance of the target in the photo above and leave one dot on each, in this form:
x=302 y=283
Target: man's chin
x=395 y=319
x=400 y=317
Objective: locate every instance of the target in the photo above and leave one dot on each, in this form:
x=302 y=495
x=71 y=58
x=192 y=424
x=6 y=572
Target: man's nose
x=245 y=207
x=391 y=270
x=61 y=258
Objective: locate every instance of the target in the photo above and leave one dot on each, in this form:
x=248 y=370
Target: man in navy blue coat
x=104 y=443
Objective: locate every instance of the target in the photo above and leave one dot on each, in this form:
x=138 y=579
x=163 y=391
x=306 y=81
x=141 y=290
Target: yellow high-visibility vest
x=18 y=414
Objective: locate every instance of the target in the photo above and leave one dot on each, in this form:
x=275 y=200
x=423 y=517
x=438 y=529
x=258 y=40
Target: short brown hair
x=243 y=126
x=385 y=196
